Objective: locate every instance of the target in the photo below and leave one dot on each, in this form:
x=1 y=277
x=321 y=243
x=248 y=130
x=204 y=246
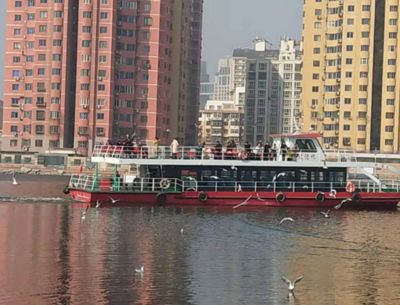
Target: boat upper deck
x=239 y=156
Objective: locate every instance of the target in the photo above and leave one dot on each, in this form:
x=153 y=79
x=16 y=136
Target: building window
x=40 y=115
x=148 y=21
x=39 y=129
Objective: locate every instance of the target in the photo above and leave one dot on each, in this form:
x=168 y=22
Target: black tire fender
x=203 y=197
x=280 y=197
x=320 y=197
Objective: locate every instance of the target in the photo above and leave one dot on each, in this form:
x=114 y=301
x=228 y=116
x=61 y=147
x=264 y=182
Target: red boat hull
x=239 y=199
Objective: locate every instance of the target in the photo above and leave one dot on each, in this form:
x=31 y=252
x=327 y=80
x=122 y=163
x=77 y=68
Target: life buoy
x=202 y=197
x=356 y=196
x=161 y=198
x=320 y=197
x=350 y=187
x=165 y=183
x=280 y=197
x=66 y=190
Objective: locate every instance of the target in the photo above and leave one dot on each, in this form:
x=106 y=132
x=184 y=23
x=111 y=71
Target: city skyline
x=215 y=48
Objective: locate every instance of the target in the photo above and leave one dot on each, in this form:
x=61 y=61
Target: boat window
x=267 y=175
x=306 y=145
x=228 y=173
x=317 y=176
x=303 y=175
x=248 y=175
x=338 y=176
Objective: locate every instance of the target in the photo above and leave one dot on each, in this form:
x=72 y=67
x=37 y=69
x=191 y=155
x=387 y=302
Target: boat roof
x=302 y=135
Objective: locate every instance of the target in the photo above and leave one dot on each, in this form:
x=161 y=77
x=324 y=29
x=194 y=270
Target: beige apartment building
x=221 y=121
x=350 y=85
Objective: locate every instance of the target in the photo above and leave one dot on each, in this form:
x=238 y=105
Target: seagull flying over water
x=15 y=182
x=259 y=198
x=338 y=206
x=286 y=219
x=325 y=214
x=290 y=283
x=233 y=167
x=113 y=200
x=332 y=193
x=98 y=204
x=244 y=202
x=283 y=174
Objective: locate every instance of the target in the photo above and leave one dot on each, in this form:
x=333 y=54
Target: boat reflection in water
x=223 y=256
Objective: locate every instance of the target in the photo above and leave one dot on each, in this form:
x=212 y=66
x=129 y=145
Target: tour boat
x=294 y=171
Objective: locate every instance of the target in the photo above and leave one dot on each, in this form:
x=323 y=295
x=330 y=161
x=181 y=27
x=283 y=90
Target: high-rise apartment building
x=270 y=80
x=81 y=72
x=351 y=76
x=206 y=86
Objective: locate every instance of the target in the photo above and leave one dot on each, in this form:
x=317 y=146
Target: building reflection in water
x=49 y=256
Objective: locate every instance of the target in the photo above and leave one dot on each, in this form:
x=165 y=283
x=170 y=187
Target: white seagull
x=113 y=200
x=233 y=167
x=278 y=175
x=325 y=214
x=98 y=204
x=290 y=283
x=259 y=198
x=332 y=193
x=244 y=202
x=140 y=270
x=338 y=206
x=239 y=189
x=83 y=216
x=15 y=182
x=181 y=230
x=286 y=219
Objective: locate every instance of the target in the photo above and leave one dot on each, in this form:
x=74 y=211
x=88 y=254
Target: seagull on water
x=325 y=214
x=15 y=182
x=338 y=206
x=181 y=230
x=98 y=204
x=286 y=219
x=283 y=174
x=140 y=270
x=332 y=193
x=83 y=216
x=113 y=200
x=290 y=283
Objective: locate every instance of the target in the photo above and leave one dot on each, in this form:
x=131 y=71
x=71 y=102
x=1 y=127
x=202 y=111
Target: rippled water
x=49 y=255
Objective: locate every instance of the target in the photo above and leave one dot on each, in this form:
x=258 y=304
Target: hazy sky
x=227 y=24
x=230 y=24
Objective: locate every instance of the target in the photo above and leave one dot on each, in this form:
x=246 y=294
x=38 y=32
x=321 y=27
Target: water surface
x=49 y=255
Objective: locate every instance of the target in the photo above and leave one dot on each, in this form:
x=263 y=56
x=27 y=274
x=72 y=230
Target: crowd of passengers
x=130 y=148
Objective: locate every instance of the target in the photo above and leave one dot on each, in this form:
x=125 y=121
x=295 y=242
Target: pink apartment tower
x=83 y=72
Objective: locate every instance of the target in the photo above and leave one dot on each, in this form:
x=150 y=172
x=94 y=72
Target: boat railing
x=122 y=184
x=174 y=185
x=204 y=153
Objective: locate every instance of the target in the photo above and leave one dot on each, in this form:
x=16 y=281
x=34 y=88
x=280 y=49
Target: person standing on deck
x=174 y=148
x=156 y=142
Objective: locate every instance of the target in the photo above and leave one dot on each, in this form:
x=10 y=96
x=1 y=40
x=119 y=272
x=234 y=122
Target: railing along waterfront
x=174 y=185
